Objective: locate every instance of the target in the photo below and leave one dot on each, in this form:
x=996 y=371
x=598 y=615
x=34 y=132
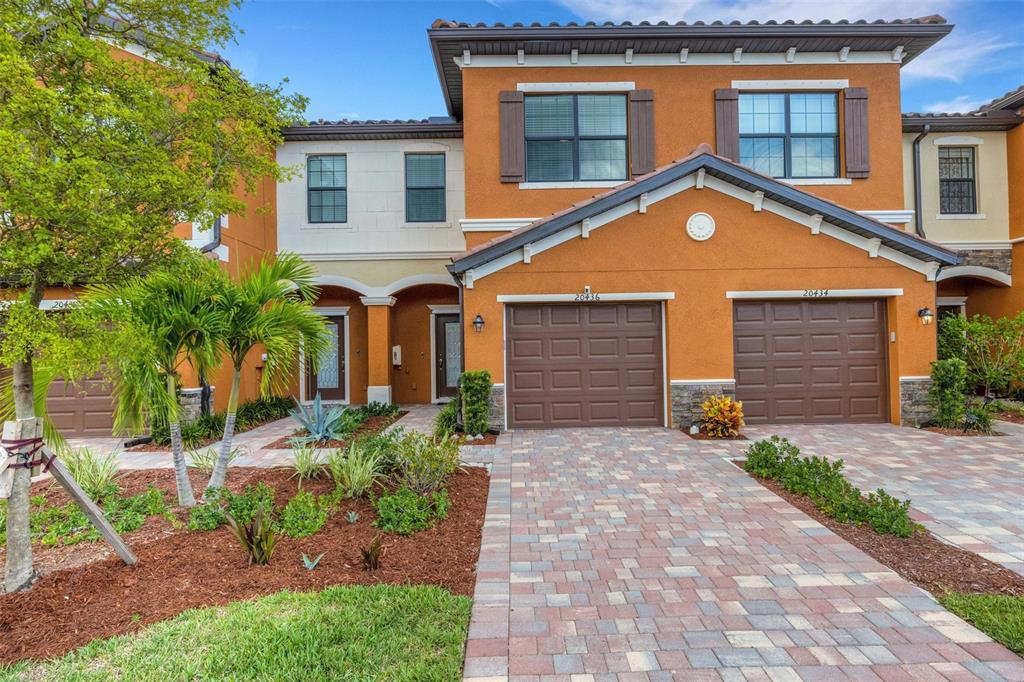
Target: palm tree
x=269 y=306
x=178 y=320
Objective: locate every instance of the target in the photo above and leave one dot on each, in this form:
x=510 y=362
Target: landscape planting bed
x=180 y=569
x=370 y=426
x=960 y=432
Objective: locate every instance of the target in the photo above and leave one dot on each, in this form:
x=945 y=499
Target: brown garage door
x=818 y=361
x=82 y=410
x=584 y=365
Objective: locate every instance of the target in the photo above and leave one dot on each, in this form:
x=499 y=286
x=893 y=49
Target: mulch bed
x=180 y=569
x=488 y=439
x=960 y=432
x=922 y=558
x=1012 y=417
x=372 y=425
x=700 y=435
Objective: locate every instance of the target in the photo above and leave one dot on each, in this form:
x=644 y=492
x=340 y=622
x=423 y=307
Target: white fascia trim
x=805 y=293
x=494 y=224
x=443 y=309
x=690 y=382
x=916 y=377
x=378 y=300
x=377 y=255
x=579 y=184
x=581 y=86
x=671 y=59
x=811 y=182
x=959 y=216
x=573 y=298
x=951 y=300
x=837 y=84
x=893 y=217
x=336 y=310
x=995 y=244
x=957 y=141
x=989 y=274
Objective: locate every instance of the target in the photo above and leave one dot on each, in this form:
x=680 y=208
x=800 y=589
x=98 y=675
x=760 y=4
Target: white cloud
x=960 y=55
x=958 y=105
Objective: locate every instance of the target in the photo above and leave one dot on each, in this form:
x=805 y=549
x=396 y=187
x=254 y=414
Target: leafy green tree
x=175 y=309
x=992 y=348
x=103 y=153
x=269 y=306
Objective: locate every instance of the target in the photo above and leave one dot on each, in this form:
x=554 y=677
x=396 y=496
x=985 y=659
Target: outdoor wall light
x=478 y=322
x=926 y=315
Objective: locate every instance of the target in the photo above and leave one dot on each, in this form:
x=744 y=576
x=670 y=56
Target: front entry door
x=448 y=350
x=329 y=378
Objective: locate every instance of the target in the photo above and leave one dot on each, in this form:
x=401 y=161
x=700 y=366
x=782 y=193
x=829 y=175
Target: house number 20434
x=815 y=293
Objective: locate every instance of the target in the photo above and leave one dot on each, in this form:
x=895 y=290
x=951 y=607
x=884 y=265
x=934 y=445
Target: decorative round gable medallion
x=700 y=226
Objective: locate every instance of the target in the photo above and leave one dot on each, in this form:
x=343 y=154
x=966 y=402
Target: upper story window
x=327 y=189
x=957 y=191
x=424 y=188
x=790 y=135
x=575 y=138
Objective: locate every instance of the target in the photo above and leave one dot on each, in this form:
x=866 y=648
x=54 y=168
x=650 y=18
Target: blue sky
x=371 y=60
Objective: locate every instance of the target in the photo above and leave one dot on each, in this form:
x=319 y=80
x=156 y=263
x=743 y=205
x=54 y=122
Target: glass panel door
x=447 y=354
x=329 y=377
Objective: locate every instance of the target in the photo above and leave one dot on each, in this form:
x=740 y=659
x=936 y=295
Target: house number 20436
x=815 y=293
x=587 y=297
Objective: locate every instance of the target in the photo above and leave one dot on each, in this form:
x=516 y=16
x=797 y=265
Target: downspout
x=918 y=217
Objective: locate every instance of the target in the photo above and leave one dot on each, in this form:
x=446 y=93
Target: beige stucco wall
x=992 y=221
x=383 y=277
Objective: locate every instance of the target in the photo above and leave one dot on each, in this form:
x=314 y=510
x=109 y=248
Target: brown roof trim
x=992 y=121
x=373 y=130
x=448 y=39
x=1013 y=100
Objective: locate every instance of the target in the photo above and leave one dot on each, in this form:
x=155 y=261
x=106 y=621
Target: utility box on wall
x=396 y=355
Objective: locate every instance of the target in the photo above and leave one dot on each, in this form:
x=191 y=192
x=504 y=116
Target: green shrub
x=244 y=506
x=992 y=348
x=888 y=516
x=354 y=469
x=475 y=389
x=384 y=444
x=951 y=337
x=68 y=524
x=423 y=463
x=979 y=417
x=261 y=411
x=97 y=474
x=405 y=512
x=307 y=464
x=447 y=419
x=257 y=536
x=379 y=409
x=768 y=458
x=946 y=395
x=208 y=516
x=303 y=516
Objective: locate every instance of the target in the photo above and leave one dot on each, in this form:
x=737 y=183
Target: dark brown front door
x=329 y=378
x=584 y=365
x=821 y=361
x=447 y=354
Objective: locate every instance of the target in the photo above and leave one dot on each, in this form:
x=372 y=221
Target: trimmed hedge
x=475 y=389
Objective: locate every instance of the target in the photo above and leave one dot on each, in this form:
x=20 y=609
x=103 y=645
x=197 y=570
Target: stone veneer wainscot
x=687 y=398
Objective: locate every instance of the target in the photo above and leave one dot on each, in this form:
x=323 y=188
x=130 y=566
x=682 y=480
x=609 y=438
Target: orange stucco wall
x=683 y=118
x=749 y=251
x=411 y=329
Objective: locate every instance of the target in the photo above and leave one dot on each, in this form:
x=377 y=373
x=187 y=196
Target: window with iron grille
x=424 y=188
x=327 y=189
x=575 y=137
x=790 y=135
x=957 y=189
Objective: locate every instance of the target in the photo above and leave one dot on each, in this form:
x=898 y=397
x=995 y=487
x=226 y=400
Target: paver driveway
x=613 y=554
x=969 y=491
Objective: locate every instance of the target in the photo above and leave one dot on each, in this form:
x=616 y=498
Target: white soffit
x=671 y=59
x=617 y=86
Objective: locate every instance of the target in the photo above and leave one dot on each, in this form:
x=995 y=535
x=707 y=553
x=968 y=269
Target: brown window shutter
x=512 y=131
x=641 y=131
x=727 y=123
x=855 y=132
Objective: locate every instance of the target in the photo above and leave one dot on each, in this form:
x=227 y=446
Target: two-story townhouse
x=966 y=173
x=376 y=207
x=738 y=246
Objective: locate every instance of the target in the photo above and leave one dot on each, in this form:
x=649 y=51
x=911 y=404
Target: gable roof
x=999 y=114
x=740 y=177
x=448 y=40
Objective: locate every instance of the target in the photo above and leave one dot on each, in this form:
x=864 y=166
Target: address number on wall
x=587 y=297
x=815 y=293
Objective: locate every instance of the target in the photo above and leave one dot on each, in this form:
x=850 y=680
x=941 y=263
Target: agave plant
x=321 y=424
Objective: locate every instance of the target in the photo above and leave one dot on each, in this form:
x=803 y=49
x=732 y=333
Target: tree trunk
x=185 y=496
x=220 y=468
x=19 y=572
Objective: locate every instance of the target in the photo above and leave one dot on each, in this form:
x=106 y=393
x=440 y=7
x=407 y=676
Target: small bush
x=208 y=516
x=308 y=464
x=979 y=417
x=770 y=457
x=423 y=464
x=244 y=506
x=97 y=474
x=384 y=444
x=205 y=459
x=951 y=337
x=888 y=516
x=303 y=516
x=946 y=395
x=378 y=409
x=261 y=411
x=722 y=417
x=475 y=389
x=257 y=536
x=405 y=512
x=354 y=469
x=447 y=419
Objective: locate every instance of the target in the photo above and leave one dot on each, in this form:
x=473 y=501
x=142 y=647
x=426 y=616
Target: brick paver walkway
x=968 y=491
x=613 y=554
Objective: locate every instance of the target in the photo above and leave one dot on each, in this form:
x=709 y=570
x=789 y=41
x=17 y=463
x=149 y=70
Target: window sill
x=579 y=184
x=327 y=226
x=425 y=225
x=816 y=181
x=960 y=216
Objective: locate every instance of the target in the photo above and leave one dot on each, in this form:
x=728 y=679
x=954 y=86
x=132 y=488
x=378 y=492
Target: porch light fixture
x=926 y=315
x=478 y=322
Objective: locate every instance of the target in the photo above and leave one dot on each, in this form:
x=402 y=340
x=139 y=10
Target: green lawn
x=1000 y=617
x=380 y=632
